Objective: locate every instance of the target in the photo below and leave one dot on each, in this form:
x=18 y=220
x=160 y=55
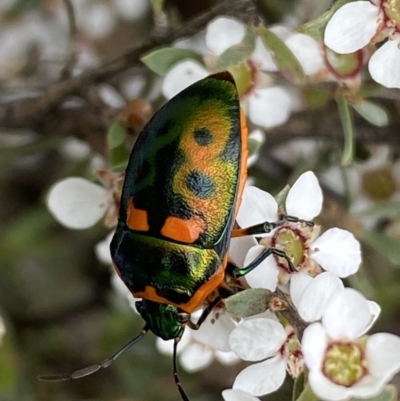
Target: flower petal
x=226 y=358
x=383 y=354
x=269 y=107
x=196 y=357
x=346 y=315
x=313 y=345
x=257 y=207
x=384 y=65
x=182 y=75
x=215 y=330
x=307 y=51
x=238 y=395
x=304 y=199
x=352 y=27
x=223 y=33
x=325 y=389
x=257 y=339
x=102 y=249
x=298 y=283
x=262 y=378
x=337 y=251
x=317 y=295
x=239 y=247
x=265 y=275
x=263 y=57
x=77 y=203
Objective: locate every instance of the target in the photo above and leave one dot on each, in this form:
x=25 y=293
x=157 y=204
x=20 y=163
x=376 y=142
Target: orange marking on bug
x=187 y=231
x=136 y=218
x=197 y=299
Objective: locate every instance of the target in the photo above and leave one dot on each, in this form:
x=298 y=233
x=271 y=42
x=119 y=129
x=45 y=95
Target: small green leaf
x=248 y=302
x=298 y=386
x=389 y=393
x=382 y=210
x=281 y=197
x=163 y=59
x=307 y=394
x=373 y=113
x=253 y=146
x=118 y=154
x=316 y=28
x=116 y=135
x=286 y=61
x=383 y=244
x=238 y=53
x=348 y=131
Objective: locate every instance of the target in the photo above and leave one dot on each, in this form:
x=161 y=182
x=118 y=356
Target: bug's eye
x=183 y=317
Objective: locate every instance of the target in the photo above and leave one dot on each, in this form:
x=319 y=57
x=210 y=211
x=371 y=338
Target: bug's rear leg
x=266 y=227
x=237 y=272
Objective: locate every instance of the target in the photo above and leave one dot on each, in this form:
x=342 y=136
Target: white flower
x=342 y=364
x=78 y=203
x=367 y=184
x=182 y=75
x=194 y=355
x=265 y=340
x=312 y=295
x=223 y=33
x=358 y=23
x=336 y=250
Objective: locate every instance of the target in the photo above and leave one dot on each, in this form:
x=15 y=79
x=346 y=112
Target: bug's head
x=165 y=321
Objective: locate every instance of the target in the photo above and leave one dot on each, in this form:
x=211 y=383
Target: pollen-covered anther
x=344 y=363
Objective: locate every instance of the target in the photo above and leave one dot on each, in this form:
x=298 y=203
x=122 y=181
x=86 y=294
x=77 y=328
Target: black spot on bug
x=200 y=184
x=203 y=136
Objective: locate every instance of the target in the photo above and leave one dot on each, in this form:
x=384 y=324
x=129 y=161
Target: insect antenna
x=94 y=368
x=176 y=377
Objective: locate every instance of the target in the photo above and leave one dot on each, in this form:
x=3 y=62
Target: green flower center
x=344 y=363
x=379 y=184
x=292 y=243
x=391 y=8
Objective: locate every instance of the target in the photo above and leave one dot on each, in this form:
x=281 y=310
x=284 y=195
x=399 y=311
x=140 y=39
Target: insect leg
x=206 y=312
x=176 y=377
x=237 y=272
x=267 y=227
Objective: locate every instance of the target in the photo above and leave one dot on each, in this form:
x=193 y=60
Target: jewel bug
x=182 y=191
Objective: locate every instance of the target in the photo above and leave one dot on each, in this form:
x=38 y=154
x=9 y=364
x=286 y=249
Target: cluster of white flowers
x=341 y=359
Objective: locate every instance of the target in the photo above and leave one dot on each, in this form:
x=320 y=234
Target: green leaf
x=238 y=53
x=248 y=302
x=116 y=135
x=163 y=59
x=382 y=210
x=316 y=28
x=281 y=197
x=348 y=131
x=389 y=393
x=118 y=154
x=383 y=244
x=373 y=113
x=298 y=386
x=307 y=395
x=286 y=61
